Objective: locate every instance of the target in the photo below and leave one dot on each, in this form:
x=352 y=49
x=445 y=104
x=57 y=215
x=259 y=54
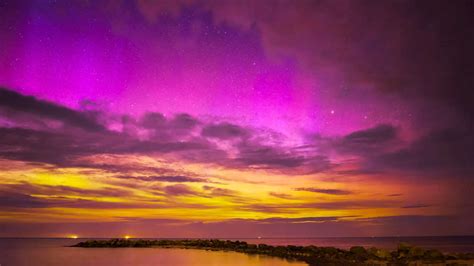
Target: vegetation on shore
x=404 y=255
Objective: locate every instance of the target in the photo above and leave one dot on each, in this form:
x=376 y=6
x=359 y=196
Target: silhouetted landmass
x=405 y=254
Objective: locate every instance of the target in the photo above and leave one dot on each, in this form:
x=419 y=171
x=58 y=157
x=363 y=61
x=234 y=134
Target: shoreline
x=405 y=254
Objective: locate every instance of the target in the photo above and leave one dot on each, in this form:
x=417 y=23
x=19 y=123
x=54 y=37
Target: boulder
x=433 y=254
x=380 y=253
x=416 y=252
x=404 y=248
x=359 y=253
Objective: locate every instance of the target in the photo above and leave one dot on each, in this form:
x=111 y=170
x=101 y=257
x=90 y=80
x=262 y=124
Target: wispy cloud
x=325 y=190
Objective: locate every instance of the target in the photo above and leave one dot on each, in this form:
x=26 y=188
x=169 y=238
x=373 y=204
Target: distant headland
x=405 y=254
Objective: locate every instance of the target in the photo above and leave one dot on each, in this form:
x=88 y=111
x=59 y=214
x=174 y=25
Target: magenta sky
x=358 y=112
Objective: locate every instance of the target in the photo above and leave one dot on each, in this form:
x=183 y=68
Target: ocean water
x=55 y=252
x=442 y=243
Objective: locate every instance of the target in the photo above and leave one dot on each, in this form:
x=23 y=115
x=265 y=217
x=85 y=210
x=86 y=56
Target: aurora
x=235 y=118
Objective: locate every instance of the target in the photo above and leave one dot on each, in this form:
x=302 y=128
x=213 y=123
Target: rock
x=465 y=256
x=451 y=257
x=358 y=250
x=404 y=248
x=328 y=250
x=433 y=254
x=380 y=253
x=359 y=253
x=416 y=252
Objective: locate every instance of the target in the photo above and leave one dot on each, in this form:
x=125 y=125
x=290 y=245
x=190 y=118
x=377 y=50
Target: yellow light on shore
x=127 y=237
x=73 y=236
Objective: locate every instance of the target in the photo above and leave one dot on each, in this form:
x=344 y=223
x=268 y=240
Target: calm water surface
x=442 y=243
x=52 y=252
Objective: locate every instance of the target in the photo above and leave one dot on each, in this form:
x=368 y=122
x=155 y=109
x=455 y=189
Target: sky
x=270 y=118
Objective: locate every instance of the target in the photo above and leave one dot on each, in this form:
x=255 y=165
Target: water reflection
x=52 y=252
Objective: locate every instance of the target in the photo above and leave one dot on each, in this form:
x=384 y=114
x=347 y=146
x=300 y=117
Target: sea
x=57 y=251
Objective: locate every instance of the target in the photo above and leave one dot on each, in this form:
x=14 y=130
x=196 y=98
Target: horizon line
x=314 y=237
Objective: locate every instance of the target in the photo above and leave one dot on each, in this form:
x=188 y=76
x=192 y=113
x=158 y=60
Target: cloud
x=167 y=178
x=416 y=206
x=320 y=44
x=395 y=195
x=224 y=131
x=277 y=220
x=294 y=208
x=325 y=191
x=289 y=160
x=275 y=227
x=179 y=190
x=153 y=120
x=366 y=141
x=61 y=190
x=161 y=128
x=14 y=200
x=440 y=152
x=27 y=104
x=18 y=200
x=153 y=133
x=220 y=192
x=281 y=195
x=63 y=147
x=184 y=121
x=182 y=137
x=378 y=150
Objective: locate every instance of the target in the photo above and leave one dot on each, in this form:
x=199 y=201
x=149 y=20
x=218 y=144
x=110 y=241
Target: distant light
x=259 y=237
x=126 y=237
x=73 y=236
x=332 y=112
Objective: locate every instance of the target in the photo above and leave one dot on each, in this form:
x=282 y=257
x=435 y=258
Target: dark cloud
x=27 y=104
x=418 y=51
x=18 y=200
x=220 y=192
x=124 y=168
x=416 y=206
x=325 y=191
x=378 y=150
x=286 y=159
x=440 y=152
x=162 y=128
x=178 y=179
x=48 y=190
x=19 y=196
x=14 y=200
x=281 y=195
x=64 y=147
x=370 y=140
x=257 y=155
x=276 y=220
x=179 y=190
x=167 y=178
x=330 y=205
x=183 y=123
x=153 y=121
x=395 y=195
x=224 y=131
